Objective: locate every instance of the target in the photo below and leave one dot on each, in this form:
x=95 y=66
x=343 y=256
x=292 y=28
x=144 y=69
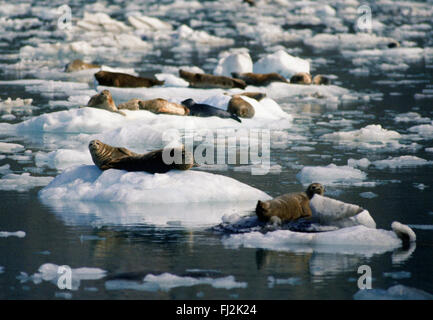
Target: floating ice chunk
x=361 y=40
x=330 y=175
x=22 y=182
x=282 y=63
x=167 y=281
x=368 y=195
x=424 y=130
x=100 y=22
x=62 y=158
x=149 y=23
x=5 y=168
x=201 y=37
x=361 y=163
x=235 y=62
x=10 y=147
x=397 y=274
x=91 y=184
x=352 y=240
x=373 y=132
x=276 y=281
x=333 y=212
x=411 y=117
x=404 y=232
x=397 y=292
x=401 y=162
x=18 y=234
x=51 y=272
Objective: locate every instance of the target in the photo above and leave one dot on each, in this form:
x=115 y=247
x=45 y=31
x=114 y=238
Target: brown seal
x=240 y=107
x=108 y=157
x=321 y=79
x=105 y=101
x=288 y=207
x=204 y=80
x=156 y=106
x=78 y=65
x=259 y=79
x=123 y=80
x=301 y=78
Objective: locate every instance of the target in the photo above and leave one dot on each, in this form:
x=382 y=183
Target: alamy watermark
x=64 y=280
x=221 y=146
x=365 y=280
x=364 y=22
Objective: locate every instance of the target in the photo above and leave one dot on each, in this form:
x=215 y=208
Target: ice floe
x=234 y=62
x=331 y=175
x=22 y=182
x=51 y=273
x=282 y=63
x=167 y=281
x=397 y=292
x=18 y=234
x=401 y=162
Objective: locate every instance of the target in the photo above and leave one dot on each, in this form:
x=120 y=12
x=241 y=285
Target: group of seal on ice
x=204 y=80
x=305 y=78
x=237 y=107
x=123 y=80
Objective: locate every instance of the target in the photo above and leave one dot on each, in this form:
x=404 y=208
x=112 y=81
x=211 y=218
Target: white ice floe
x=351 y=240
x=234 y=62
x=171 y=80
x=91 y=184
x=401 y=162
x=397 y=292
x=167 y=281
x=411 y=117
x=424 y=130
x=368 y=195
x=18 y=234
x=282 y=63
x=331 y=175
x=62 y=158
x=6 y=147
x=52 y=272
x=397 y=274
x=22 y=182
x=358 y=41
x=333 y=212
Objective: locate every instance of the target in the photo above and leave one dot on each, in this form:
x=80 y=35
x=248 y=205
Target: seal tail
x=235 y=117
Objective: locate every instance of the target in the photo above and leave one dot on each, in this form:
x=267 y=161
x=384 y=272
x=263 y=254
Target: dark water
x=52 y=236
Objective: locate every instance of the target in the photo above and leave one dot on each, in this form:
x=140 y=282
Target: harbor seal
x=289 y=207
x=301 y=78
x=205 y=110
x=78 y=65
x=204 y=80
x=321 y=79
x=240 y=107
x=156 y=106
x=123 y=80
x=108 y=157
x=259 y=79
x=253 y=95
x=104 y=100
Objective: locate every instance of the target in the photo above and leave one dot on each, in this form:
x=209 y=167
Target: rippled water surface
x=139 y=251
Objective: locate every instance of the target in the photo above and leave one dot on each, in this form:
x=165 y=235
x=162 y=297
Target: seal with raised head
x=321 y=79
x=204 y=80
x=259 y=79
x=104 y=100
x=108 y=157
x=156 y=106
x=240 y=107
x=123 y=80
x=78 y=65
x=289 y=207
x=301 y=78
x=205 y=110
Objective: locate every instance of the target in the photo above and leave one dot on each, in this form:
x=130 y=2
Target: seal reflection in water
x=123 y=80
x=289 y=207
x=108 y=157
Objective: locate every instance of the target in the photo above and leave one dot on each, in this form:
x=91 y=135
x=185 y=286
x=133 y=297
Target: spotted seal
x=156 y=106
x=204 y=80
x=240 y=107
x=288 y=207
x=78 y=65
x=123 y=80
x=205 y=110
x=259 y=79
x=104 y=100
x=301 y=78
x=108 y=157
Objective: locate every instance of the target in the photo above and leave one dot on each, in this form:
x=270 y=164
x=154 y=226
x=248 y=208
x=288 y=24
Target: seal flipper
x=235 y=117
x=403 y=232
